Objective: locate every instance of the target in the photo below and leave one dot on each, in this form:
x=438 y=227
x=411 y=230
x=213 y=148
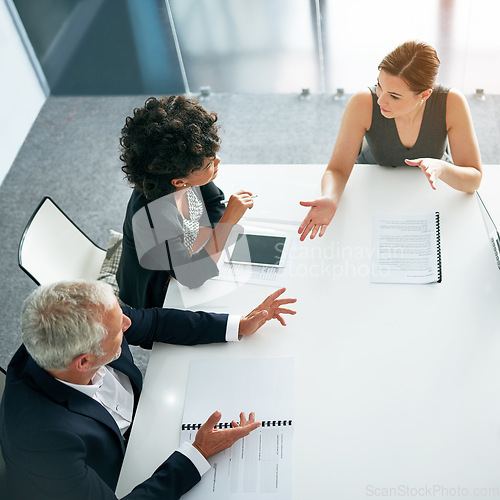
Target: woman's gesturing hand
x=319 y=216
x=238 y=204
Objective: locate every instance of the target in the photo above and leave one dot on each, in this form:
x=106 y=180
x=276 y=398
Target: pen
x=225 y=202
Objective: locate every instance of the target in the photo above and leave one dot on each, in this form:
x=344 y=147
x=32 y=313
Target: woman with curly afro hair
x=175 y=225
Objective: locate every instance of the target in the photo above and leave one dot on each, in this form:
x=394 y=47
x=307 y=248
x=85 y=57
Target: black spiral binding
x=227 y=425
x=438 y=244
x=497 y=256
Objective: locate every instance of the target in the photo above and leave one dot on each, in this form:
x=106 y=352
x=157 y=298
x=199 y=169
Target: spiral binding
x=227 y=425
x=438 y=244
x=497 y=256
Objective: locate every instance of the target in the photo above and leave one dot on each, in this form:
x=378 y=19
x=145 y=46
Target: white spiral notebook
x=406 y=248
x=258 y=466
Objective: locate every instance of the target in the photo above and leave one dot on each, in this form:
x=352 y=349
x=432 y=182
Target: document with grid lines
x=258 y=466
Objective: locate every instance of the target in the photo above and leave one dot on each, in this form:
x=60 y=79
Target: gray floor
x=71 y=154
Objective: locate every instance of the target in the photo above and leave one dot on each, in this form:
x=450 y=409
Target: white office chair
x=53 y=248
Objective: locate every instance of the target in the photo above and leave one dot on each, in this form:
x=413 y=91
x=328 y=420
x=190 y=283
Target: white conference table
x=395 y=386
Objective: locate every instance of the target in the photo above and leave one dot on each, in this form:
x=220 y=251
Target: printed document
x=406 y=248
x=259 y=465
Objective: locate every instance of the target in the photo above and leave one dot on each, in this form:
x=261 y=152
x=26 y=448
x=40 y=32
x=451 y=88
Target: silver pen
x=225 y=202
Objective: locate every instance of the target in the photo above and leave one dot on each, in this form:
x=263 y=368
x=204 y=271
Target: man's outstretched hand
x=271 y=308
x=209 y=441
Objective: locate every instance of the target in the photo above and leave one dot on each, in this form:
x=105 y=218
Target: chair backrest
x=53 y=248
x=2 y=381
x=3 y=486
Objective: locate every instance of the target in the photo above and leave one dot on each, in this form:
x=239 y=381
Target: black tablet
x=259 y=249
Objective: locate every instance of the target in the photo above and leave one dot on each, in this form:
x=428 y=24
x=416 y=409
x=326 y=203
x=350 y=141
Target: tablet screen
x=258 y=249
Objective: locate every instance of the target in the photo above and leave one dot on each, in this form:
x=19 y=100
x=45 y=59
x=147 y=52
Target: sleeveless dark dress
x=385 y=147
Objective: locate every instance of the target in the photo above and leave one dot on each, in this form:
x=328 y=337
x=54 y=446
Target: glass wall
x=251 y=46
x=92 y=47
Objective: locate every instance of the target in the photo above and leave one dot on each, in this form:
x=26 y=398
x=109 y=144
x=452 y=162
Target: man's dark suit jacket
x=60 y=444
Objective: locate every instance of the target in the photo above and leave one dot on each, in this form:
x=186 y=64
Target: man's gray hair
x=62 y=320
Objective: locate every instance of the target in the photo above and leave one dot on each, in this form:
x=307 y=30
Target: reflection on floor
x=287 y=45
x=122 y=47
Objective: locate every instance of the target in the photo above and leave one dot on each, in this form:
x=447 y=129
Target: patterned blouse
x=191 y=226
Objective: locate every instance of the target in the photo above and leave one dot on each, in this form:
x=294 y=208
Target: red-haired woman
x=406 y=119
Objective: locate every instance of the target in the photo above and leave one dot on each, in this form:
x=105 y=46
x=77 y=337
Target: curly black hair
x=166 y=139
